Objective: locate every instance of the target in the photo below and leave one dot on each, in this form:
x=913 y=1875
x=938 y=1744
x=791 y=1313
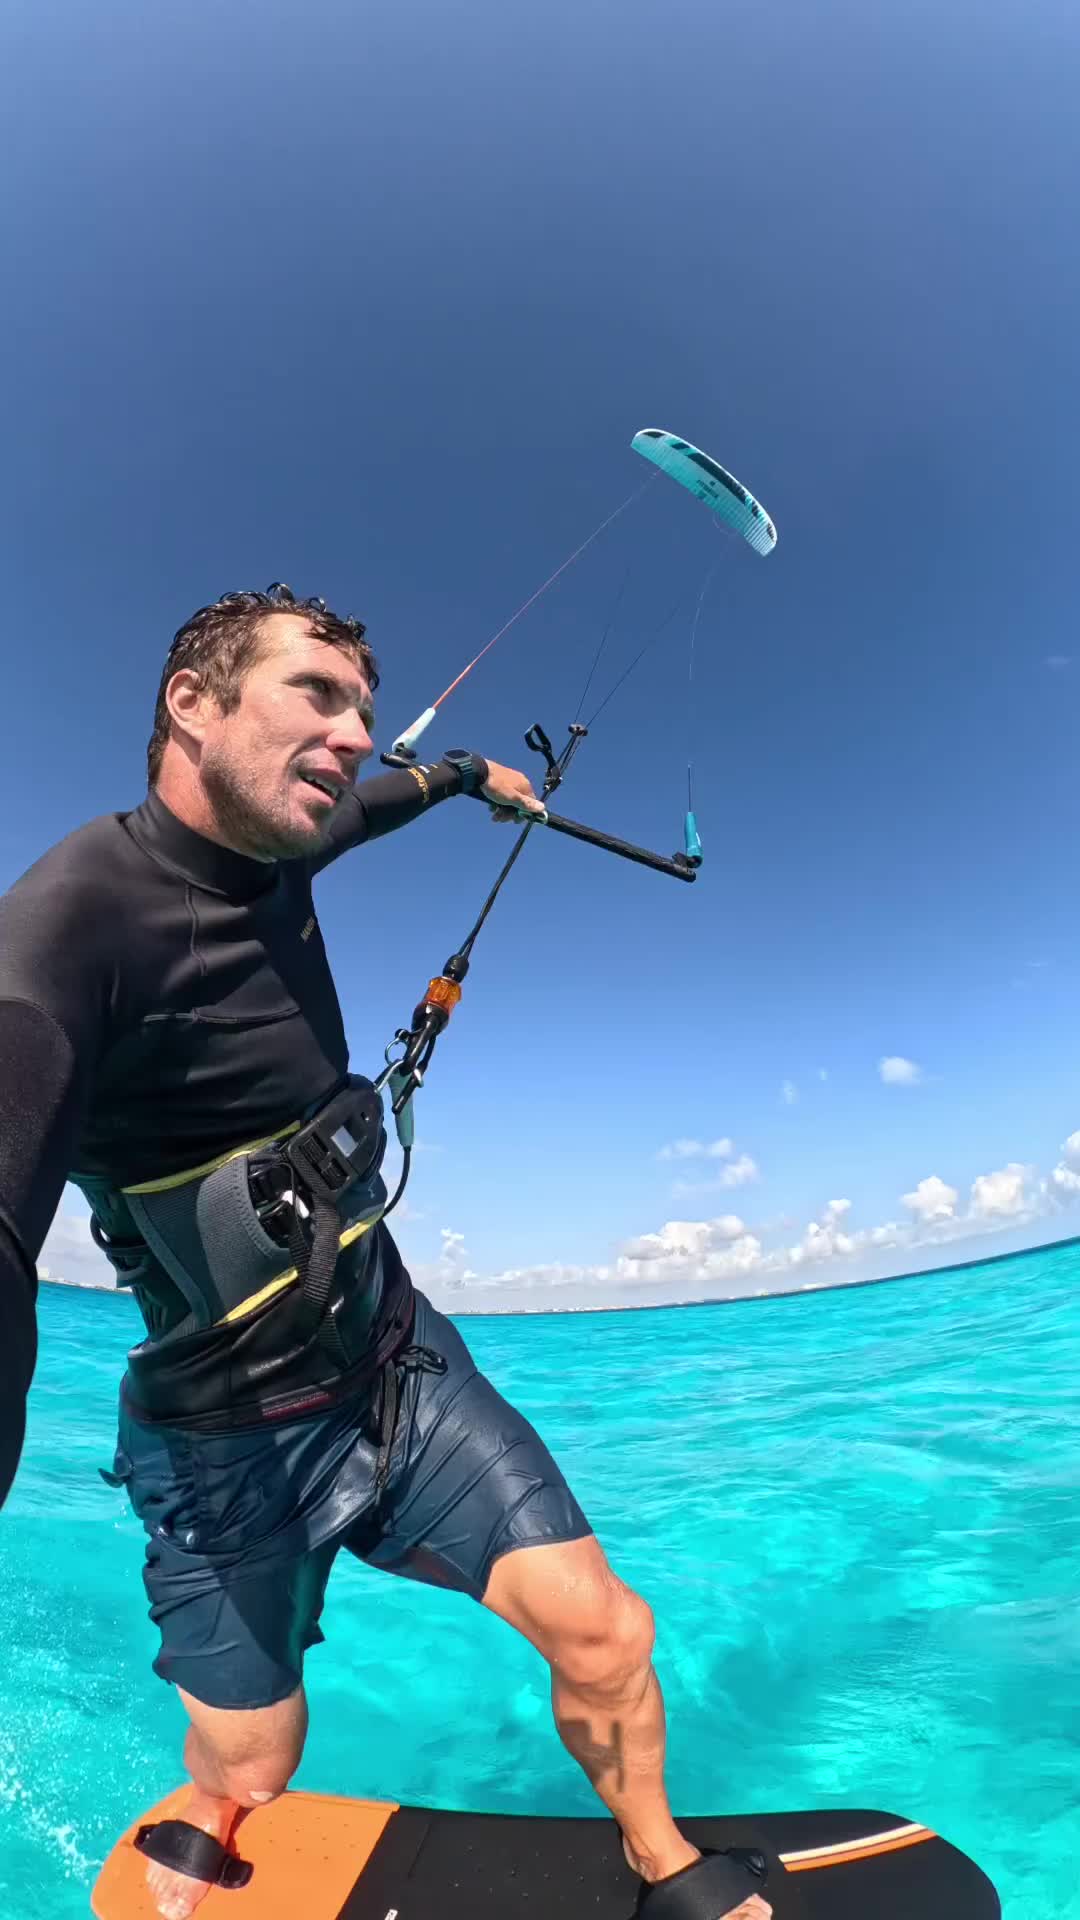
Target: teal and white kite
x=733 y=507
x=712 y=483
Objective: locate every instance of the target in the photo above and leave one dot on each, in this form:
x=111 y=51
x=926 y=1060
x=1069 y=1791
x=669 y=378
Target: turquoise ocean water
x=854 y=1514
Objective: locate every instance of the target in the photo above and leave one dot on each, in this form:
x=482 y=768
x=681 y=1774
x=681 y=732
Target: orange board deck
x=321 y=1857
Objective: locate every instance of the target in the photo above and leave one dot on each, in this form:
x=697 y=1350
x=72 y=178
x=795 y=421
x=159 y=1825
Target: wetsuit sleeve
x=52 y=1011
x=389 y=801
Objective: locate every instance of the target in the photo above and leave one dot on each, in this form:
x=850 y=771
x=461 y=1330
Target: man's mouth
x=330 y=789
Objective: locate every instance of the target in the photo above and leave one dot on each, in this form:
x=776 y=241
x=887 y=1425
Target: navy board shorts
x=244 y=1526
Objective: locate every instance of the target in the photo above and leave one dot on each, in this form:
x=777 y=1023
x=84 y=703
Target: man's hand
x=512 y=792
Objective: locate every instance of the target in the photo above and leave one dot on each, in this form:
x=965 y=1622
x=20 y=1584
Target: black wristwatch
x=464 y=763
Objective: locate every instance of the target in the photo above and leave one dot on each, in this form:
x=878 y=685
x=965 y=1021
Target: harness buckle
x=343 y=1142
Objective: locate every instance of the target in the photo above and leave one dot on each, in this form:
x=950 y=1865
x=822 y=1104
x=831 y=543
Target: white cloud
x=789 y=1093
x=722 y=1254
x=452 y=1268
x=1065 y=1178
x=737 y=1173
x=1057 y=661
x=740 y=1172
x=697 y=1150
x=725 y=1258
x=895 y=1071
x=890 y=1235
x=819 y=1243
x=823 y=1073
x=932 y=1199
x=824 y=1239
x=683 y=1240
x=495 y=1290
x=1003 y=1193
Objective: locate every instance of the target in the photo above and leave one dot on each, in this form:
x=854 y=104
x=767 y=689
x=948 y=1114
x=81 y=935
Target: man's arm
x=42 y=1100
x=55 y=996
x=18 y=1353
x=391 y=800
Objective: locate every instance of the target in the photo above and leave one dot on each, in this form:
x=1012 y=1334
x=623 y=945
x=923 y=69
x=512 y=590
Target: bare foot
x=753 y=1909
x=176 y=1895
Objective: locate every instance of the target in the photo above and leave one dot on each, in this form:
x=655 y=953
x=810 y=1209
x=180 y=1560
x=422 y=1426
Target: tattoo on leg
x=596 y=1758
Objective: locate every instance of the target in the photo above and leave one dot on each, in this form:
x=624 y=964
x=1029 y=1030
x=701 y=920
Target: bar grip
x=677 y=866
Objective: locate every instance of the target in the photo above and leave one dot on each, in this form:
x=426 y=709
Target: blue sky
x=372 y=301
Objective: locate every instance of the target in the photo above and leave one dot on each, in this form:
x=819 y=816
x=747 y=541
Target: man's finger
x=519 y=813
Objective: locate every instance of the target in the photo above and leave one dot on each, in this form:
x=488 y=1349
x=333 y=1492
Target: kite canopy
x=711 y=482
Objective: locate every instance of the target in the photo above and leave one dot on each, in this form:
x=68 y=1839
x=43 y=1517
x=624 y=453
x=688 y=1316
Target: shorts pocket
x=155 y=1465
x=234 y=1488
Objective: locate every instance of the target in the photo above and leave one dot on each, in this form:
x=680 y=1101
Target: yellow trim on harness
x=211 y=1166
x=286 y=1279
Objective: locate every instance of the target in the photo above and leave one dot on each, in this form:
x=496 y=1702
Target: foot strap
x=708 y=1889
x=187 y=1849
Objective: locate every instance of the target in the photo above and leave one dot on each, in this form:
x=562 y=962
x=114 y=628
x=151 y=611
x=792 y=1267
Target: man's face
x=277 y=767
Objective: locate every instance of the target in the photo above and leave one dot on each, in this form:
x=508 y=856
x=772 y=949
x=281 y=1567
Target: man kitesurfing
x=173 y=1044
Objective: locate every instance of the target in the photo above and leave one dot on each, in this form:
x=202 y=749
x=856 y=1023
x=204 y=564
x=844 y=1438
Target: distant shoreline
x=780 y=1293
x=83 y=1286
x=671 y=1306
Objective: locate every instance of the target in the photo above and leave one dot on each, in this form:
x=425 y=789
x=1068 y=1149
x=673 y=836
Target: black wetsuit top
x=162 y=1000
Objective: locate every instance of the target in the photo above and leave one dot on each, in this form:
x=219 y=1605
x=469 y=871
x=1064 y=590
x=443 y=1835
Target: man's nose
x=350 y=735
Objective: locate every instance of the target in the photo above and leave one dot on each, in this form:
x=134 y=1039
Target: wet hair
x=222 y=642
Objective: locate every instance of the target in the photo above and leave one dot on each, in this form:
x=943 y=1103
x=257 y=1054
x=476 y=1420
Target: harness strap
x=411 y=1359
x=316 y=1264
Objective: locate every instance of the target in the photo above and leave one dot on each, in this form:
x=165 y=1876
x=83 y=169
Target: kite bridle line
x=405 y=744
x=405 y=1069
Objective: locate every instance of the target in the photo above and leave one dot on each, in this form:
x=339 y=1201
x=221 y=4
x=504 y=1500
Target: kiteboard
x=317 y=1857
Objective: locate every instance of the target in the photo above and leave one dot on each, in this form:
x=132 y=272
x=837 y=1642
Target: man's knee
x=250 y=1756
x=254 y=1776
x=258 y=1782
x=609 y=1651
